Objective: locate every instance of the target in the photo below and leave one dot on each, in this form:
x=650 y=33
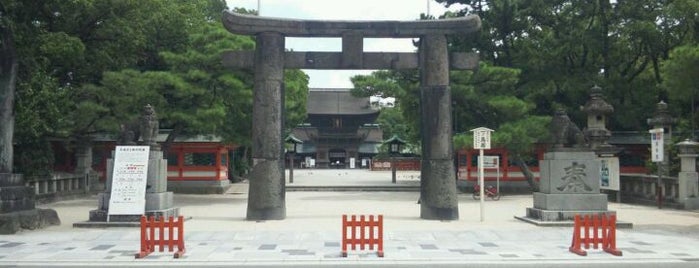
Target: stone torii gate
x=266 y=199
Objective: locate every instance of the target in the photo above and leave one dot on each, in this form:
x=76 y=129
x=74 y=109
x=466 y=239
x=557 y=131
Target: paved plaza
x=217 y=234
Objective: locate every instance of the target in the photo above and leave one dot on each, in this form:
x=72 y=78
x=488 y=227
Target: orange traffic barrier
x=603 y=234
x=149 y=239
x=370 y=233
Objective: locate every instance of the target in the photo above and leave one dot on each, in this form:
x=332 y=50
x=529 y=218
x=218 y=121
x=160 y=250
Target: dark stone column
x=83 y=156
x=17 y=201
x=266 y=197
x=438 y=182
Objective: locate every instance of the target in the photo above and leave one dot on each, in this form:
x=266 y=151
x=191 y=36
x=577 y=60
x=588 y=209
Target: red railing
x=603 y=234
x=149 y=239
x=371 y=228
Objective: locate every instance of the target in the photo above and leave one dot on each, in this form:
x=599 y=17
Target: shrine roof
x=337 y=102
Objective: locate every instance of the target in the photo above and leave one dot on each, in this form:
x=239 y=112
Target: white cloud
x=343 y=10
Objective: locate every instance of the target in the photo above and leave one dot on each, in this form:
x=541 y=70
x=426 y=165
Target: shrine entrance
x=266 y=198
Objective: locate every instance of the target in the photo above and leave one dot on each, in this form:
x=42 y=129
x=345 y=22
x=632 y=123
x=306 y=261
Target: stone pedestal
x=569 y=185
x=17 y=207
x=688 y=177
x=159 y=202
x=689 y=189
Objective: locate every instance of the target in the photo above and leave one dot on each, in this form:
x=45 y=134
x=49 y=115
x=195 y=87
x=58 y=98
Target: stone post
x=662 y=119
x=83 y=157
x=266 y=197
x=688 y=176
x=438 y=182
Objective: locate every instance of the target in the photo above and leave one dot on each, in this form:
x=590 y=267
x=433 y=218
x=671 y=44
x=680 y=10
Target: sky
x=343 y=10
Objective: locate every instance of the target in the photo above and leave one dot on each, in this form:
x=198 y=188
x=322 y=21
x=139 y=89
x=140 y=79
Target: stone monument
x=159 y=202
x=570 y=176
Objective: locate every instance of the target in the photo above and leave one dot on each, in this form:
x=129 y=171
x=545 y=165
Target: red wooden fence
x=149 y=239
x=603 y=234
x=371 y=228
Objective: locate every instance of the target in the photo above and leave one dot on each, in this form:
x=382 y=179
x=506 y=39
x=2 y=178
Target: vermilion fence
x=153 y=233
x=595 y=230
x=362 y=232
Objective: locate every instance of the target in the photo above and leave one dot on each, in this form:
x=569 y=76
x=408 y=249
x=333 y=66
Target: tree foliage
x=563 y=48
x=87 y=66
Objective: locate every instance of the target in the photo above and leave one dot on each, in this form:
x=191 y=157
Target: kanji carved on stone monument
x=574 y=179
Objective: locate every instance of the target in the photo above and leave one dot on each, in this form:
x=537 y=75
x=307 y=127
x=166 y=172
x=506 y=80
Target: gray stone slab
x=157 y=174
x=199 y=186
x=570 y=202
x=488 y=244
x=267 y=247
x=102 y=247
x=509 y=255
x=557 y=215
x=428 y=246
x=159 y=201
x=468 y=251
x=154 y=201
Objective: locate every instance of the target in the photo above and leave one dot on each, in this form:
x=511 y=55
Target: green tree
x=680 y=73
x=564 y=47
x=403 y=119
x=75 y=55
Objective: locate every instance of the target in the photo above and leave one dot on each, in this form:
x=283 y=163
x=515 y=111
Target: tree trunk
x=8 y=77
x=533 y=184
x=171 y=138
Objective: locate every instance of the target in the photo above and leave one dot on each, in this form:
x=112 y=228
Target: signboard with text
x=656 y=144
x=609 y=173
x=491 y=161
x=481 y=138
x=129 y=179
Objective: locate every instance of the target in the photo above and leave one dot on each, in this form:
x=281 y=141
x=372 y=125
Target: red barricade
x=603 y=234
x=149 y=239
x=370 y=233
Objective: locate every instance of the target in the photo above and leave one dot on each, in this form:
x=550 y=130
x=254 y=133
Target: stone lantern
x=662 y=119
x=597 y=110
x=597 y=134
x=395 y=143
x=293 y=142
x=688 y=177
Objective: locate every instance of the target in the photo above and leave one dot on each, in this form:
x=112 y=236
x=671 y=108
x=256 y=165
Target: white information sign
x=129 y=178
x=491 y=161
x=609 y=173
x=481 y=141
x=352 y=163
x=656 y=144
x=481 y=138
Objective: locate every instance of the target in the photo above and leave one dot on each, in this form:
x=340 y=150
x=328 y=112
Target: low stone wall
x=58 y=186
x=640 y=188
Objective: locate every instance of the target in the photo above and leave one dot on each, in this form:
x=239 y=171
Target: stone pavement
x=218 y=234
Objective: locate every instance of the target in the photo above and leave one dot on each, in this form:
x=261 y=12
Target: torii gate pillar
x=266 y=199
x=438 y=199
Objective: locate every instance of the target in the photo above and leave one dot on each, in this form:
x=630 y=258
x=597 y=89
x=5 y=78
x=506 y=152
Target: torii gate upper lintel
x=352 y=34
x=266 y=198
